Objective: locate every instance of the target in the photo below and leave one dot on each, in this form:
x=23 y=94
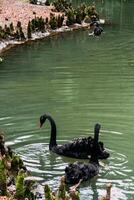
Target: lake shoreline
x=14 y=11
x=7 y=44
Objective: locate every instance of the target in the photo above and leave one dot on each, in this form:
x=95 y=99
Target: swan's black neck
x=53 y=133
x=94 y=153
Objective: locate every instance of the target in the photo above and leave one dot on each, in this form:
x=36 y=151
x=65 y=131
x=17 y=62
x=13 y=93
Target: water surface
x=79 y=80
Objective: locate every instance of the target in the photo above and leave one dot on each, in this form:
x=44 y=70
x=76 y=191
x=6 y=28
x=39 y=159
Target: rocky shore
x=14 y=11
x=7 y=44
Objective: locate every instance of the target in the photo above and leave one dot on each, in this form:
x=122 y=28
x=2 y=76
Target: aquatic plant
x=20 y=185
x=28 y=193
x=16 y=165
x=49 y=195
x=3 y=177
x=62 y=194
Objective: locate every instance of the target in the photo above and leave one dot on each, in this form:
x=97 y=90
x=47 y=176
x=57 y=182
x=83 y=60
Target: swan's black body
x=97 y=30
x=84 y=171
x=79 y=148
x=78 y=170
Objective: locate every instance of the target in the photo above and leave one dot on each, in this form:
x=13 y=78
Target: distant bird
x=108 y=192
x=78 y=148
x=97 y=29
x=77 y=171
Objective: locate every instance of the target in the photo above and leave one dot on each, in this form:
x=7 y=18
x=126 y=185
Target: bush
x=62 y=5
x=47 y=3
x=33 y=1
x=70 y=17
x=19 y=33
x=53 y=22
x=60 y=20
x=29 y=30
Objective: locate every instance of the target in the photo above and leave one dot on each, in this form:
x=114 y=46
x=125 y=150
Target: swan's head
x=43 y=119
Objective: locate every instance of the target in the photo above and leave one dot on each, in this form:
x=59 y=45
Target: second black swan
x=79 y=148
x=77 y=171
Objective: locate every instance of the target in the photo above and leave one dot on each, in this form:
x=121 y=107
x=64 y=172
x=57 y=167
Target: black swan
x=77 y=171
x=78 y=148
x=97 y=30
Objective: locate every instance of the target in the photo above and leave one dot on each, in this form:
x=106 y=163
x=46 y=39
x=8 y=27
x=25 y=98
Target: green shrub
x=29 y=30
x=70 y=17
x=33 y=1
x=53 y=22
x=62 y=5
x=60 y=20
x=47 y=3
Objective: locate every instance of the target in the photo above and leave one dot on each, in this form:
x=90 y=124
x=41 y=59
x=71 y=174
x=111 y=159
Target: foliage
x=3 y=179
x=29 y=30
x=47 y=3
x=20 y=185
x=37 y=24
x=60 y=20
x=53 y=22
x=28 y=190
x=73 y=15
x=19 y=33
x=70 y=17
x=33 y=1
x=62 y=5
x=62 y=194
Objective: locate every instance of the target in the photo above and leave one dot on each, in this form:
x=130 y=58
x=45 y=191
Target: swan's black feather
x=78 y=148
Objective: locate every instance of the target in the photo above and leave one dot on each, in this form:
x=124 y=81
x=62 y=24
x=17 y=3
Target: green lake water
x=79 y=80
